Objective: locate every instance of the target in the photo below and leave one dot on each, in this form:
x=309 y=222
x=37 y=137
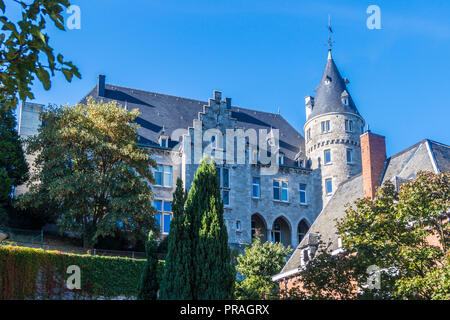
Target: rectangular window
x=225 y=178
x=280 y=190
x=256 y=188
x=164 y=142
x=327 y=156
x=167 y=218
x=167 y=176
x=325 y=126
x=302 y=189
x=284 y=191
x=238 y=225
x=159 y=175
x=280 y=160
x=329 y=186
x=276 y=190
x=349 y=155
x=226 y=197
x=163 y=215
x=349 y=125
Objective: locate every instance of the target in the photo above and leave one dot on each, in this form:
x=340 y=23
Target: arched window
x=303 y=228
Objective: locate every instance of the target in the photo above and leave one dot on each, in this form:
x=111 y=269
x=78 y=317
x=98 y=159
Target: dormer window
x=345 y=98
x=327 y=80
x=301 y=163
x=164 y=141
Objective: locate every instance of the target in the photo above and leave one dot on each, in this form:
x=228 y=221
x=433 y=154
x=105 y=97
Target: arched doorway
x=302 y=229
x=281 y=231
x=259 y=227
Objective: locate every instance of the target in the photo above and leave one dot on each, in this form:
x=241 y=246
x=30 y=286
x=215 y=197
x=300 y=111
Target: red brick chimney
x=373 y=156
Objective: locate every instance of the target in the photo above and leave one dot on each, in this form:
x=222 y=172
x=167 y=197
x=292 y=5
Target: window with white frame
x=349 y=125
x=327 y=156
x=224 y=183
x=302 y=190
x=325 y=125
x=163 y=215
x=280 y=190
x=329 y=186
x=163 y=176
x=256 y=188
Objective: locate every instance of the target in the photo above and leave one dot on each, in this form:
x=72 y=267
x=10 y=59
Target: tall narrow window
x=349 y=125
x=327 y=156
x=284 y=191
x=276 y=190
x=256 y=188
x=159 y=175
x=308 y=134
x=349 y=155
x=302 y=189
x=224 y=182
x=329 y=186
x=163 y=215
x=167 y=176
x=280 y=160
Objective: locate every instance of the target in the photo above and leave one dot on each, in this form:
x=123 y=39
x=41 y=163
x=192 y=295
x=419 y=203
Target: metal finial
x=330 y=31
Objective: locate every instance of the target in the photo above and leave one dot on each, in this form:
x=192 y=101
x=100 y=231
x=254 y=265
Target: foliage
x=404 y=233
x=148 y=286
x=177 y=277
x=25 y=52
x=257 y=265
x=326 y=277
x=13 y=167
x=91 y=173
x=213 y=276
x=27 y=273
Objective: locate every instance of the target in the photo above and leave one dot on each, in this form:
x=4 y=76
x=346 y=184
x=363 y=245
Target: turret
x=333 y=126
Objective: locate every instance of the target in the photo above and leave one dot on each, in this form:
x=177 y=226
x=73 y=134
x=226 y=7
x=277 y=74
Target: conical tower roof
x=331 y=92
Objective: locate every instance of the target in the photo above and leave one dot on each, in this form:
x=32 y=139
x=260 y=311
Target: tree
x=326 y=277
x=24 y=46
x=148 y=286
x=257 y=265
x=405 y=234
x=213 y=273
x=13 y=167
x=91 y=172
x=177 y=278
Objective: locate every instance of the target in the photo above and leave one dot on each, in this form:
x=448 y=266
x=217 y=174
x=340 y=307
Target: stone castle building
x=279 y=205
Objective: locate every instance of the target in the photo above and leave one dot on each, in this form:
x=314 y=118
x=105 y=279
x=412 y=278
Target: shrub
x=27 y=273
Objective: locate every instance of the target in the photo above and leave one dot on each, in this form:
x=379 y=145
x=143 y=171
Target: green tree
x=394 y=231
x=326 y=277
x=177 y=278
x=214 y=274
x=91 y=172
x=148 y=286
x=257 y=266
x=13 y=167
x=25 y=52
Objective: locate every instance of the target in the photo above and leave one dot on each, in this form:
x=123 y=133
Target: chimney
x=101 y=85
x=373 y=157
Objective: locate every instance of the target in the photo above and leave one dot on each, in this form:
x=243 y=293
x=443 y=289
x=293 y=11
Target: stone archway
x=281 y=231
x=302 y=229
x=259 y=227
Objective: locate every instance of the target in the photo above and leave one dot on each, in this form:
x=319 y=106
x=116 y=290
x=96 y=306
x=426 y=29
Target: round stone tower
x=333 y=126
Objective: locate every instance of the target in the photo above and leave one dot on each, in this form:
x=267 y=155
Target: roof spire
x=330 y=42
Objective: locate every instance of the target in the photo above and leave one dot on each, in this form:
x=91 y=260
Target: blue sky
x=270 y=54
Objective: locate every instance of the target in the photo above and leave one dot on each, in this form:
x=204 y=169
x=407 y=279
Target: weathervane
x=330 y=30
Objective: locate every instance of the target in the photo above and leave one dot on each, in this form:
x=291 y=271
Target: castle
x=275 y=183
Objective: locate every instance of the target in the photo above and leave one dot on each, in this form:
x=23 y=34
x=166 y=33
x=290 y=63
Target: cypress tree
x=176 y=282
x=148 y=286
x=213 y=276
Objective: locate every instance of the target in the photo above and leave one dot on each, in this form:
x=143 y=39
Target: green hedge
x=100 y=276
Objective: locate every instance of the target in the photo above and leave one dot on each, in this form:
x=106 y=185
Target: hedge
x=27 y=273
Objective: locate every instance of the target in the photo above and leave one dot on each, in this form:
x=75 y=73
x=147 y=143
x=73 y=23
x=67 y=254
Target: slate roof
x=329 y=96
x=161 y=111
x=399 y=168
